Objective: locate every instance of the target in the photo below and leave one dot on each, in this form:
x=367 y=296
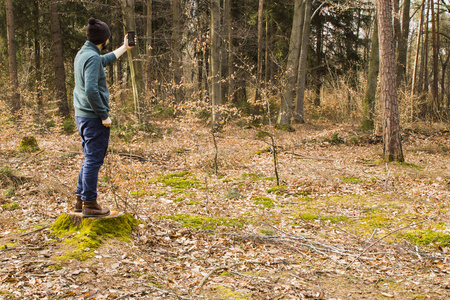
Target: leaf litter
x=344 y=225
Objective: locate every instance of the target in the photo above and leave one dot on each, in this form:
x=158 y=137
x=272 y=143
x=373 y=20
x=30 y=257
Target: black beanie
x=97 y=31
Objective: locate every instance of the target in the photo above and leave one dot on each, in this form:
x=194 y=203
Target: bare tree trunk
x=372 y=80
x=416 y=58
x=423 y=74
x=12 y=61
x=435 y=47
x=149 y=35
x=216 y=88
x=176 y=48
x=319 y=60
x=137 y=80
x=259 y=71
x=402 y=49
x=226 y=36
x=60 y=72
x=37 y=60
x=397 y=25
x=392 y=147
x=301 y=79
x=287 y=97
x=267 y=63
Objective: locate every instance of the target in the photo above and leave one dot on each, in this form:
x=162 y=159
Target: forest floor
x=341 y=224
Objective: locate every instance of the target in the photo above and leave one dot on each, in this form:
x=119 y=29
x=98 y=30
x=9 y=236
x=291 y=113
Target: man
x=91 y=103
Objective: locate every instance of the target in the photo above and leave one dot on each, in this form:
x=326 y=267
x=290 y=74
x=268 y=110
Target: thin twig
x=380 y=239
x=202 y=283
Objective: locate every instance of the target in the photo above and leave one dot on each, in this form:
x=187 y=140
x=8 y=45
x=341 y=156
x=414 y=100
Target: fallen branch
x=380 y=239
x=202 y=283
x=149 y=288
x=36 y=230
x=309 y=157
x=138 y=157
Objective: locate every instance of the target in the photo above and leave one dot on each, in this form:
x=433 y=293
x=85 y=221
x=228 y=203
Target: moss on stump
x=28 y=144
x=86 y=235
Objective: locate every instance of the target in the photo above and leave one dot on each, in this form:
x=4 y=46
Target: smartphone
x=131 y=36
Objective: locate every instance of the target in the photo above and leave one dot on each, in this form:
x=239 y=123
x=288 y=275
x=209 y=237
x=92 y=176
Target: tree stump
x=86 y=234
x=77 y=218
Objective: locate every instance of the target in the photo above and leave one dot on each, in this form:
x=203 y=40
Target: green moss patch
x=257 y=177
x=354 y=180
x=427 y=237
x=226 y=293
x=10 y=206
x=7 y=246
x=202 y=222
x=409 y=165
x=91 y=233
x=279 y=190
x=180 y=181
x=264 y=202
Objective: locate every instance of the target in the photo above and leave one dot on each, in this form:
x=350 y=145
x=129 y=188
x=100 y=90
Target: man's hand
x=107 y=122
x=124 y=48
x=125 y=42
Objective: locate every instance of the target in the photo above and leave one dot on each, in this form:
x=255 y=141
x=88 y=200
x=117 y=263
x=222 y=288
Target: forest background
x=251 y=138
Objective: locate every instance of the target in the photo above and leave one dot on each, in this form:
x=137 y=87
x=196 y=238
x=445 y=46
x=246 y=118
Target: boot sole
x=96 y=216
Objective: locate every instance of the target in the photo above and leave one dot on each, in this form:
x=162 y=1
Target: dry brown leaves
x=332 y=232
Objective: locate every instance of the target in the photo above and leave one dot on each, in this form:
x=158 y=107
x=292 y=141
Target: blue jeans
x=94 y=140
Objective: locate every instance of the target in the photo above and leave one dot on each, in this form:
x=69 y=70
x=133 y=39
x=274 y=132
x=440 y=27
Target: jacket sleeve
x=108 y=59
x=91 y=78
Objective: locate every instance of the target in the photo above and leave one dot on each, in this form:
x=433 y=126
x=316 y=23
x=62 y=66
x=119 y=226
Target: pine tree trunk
x=301 y=80
x=388 y=84
x=226 y=34
x=37 y=60
x=402 y=49
x=58 y=56
x=259 y=71
x=12 y=61
x=137 y=80
x=435 y=47
x=149 y=35
x=416 y=58
x=372 y=80
x=287 y=97
x=216 y=88
x=176 y=48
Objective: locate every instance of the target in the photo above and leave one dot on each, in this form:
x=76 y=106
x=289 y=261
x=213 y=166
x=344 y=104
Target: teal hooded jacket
x=91 y=95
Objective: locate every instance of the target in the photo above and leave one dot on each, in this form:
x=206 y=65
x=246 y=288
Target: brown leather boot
x=91 y=209
x=79 y=204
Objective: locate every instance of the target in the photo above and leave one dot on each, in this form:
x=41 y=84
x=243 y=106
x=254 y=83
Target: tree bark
x=37 y=60
x=301 y=80
x=12 y=60
x=372 y=80
x=435 y=47
x=226 y=37
x=402 y=49
x=287 y=97
x=216 y=87
x=416 y=57
x=137 y=80
x=58 y=56
x=319 y=60
x=259 y=70
x=392 y=147
x=149 y=34
x=176 y=48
